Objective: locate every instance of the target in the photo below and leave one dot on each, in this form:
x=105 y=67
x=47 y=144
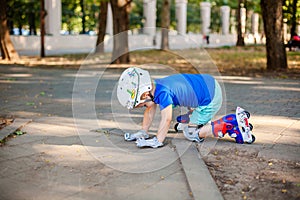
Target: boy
x=201 y=93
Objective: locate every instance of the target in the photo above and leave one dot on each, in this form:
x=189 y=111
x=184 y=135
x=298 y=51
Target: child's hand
x=134 y=136
x=154 y=143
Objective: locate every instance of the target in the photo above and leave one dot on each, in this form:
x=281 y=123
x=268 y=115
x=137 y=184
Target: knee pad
x=183 y=118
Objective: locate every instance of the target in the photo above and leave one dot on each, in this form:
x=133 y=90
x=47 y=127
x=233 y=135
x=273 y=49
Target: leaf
x=19 y=132
x=30 y=103
x=284 y=190
x=42 y=93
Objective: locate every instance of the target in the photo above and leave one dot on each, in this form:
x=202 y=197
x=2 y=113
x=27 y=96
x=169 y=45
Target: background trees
x=77 y=15
x=21 y=17
x=6 y=46
x=273 y=24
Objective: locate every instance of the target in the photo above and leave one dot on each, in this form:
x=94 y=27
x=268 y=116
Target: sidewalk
x=75 y=150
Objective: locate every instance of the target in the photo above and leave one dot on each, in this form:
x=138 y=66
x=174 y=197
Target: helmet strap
x=151 y=96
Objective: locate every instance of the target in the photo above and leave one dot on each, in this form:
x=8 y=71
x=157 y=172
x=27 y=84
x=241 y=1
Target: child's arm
x=166 y=118
x=148 y=117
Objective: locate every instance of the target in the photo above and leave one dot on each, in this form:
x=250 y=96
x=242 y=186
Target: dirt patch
x=243 y=175
x=236 y=61
x=5 y=122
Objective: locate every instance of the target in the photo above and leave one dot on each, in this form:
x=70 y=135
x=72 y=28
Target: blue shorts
x=204 y=114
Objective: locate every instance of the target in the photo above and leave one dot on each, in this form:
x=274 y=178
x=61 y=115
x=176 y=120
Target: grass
x=239 y=61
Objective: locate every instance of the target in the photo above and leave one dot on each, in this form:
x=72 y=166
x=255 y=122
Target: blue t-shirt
x=187 y=90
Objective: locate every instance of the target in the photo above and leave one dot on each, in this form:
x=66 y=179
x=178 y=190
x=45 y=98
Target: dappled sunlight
x=17 y=75
x=274 y=129
x=278 y=88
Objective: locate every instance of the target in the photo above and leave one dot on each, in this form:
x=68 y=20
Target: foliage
x=288 y=11
x=136 y=17
x=21 y=12
x=73 y=13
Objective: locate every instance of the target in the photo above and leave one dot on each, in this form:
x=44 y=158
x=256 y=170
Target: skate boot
x=222 y=126
x=236 y=125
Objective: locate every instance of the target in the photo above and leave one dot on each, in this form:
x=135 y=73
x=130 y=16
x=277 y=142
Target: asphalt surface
x=73 y=147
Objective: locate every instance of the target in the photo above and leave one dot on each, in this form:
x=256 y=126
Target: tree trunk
x=240 y=37
x=102 y=27
x=165 y=24
x=82 y=17
x=6 y=45
x=273 y=27
x=120 y=9
x=294 y=18
x=32 y=27
x=42 y=26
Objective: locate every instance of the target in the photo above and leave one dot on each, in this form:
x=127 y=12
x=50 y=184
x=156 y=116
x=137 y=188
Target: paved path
x=73 y=147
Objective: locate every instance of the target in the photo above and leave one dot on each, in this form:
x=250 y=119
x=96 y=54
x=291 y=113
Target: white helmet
x=132 y=84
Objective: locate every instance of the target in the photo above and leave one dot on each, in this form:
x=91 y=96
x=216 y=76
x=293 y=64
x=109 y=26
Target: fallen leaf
x=30 y=103
x=284 y=190
x=19 y=132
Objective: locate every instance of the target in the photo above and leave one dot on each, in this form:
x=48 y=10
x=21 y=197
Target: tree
x=120 y=10
x=273 y=25
x=42 y=26
x=7 y=48
x=102 y=27
x=240 y=36
x=82 y=16
x=165 y=23
x=294 y=19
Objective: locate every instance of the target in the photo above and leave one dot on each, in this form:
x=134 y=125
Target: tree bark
x=120 y=9
x=294 y=18
x=240 y=37
x=42 y=26
x=273 y=26
x=82 y=17
x=102 y=27
x=7 y=48
x=165 y=24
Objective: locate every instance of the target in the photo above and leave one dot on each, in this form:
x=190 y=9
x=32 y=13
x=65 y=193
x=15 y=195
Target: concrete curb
x=17 y=124
x=198 y=176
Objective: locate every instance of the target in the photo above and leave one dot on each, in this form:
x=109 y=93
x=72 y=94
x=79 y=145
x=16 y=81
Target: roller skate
x=236 y=125
x=191 y=132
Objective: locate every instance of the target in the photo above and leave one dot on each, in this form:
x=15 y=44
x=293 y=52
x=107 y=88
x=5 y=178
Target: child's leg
x=204 y=114
x=201 y=116
x=220 y=127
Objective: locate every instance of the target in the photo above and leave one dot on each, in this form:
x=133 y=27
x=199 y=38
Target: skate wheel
x=247 y=113
x=176 y=127
x=253 y=139
x=251 y=126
